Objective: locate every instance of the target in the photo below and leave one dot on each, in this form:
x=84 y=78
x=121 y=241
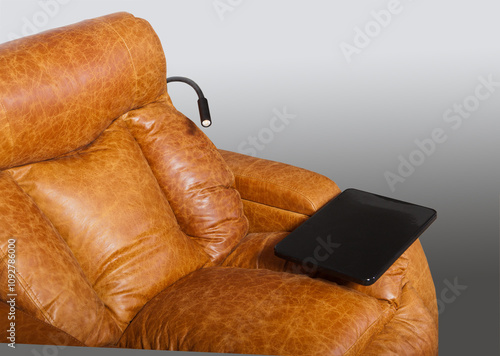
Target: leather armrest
x=277 y=196
x=30 y=330
x=256 y=251
x=280 y=185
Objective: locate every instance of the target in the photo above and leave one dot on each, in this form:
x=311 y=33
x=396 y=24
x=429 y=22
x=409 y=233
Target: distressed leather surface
x=265 y=218
x=256 y=250
x=82 y=76
x=108 y=207
x=419 y=274
x=410 y=269
x=403 y=335
x=114 y=198
x=406 y=286
x=196 y=180
x=257 y=312
x=30 y=330
x=280 y=185
x=50 y=284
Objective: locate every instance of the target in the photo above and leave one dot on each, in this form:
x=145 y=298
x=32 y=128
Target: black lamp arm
x=206 y=119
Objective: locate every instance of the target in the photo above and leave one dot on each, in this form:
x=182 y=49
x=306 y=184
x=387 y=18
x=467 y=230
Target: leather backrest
x=109 y=192
x=49 y=283
x=107 y=206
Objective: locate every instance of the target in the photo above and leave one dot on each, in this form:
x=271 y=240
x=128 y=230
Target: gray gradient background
x=353 y=120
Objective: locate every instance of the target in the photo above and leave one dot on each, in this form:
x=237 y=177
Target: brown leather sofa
x=132 y=230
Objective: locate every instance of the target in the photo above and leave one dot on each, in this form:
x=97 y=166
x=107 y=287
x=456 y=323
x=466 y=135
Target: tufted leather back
x=110 y=193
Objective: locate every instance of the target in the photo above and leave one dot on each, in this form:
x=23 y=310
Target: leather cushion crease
x=133 y=230
x=53 y=290
x=194 y=177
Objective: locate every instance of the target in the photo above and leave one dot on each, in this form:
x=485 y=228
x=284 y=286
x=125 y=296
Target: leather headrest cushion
x=60 y=89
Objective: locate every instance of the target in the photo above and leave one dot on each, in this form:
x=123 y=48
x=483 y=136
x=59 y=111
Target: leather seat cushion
x=234 y=310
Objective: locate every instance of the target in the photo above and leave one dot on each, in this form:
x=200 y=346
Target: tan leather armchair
x=132 y=230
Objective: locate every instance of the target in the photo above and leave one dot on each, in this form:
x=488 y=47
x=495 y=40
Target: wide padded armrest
x=280 y=185
x=277 y=196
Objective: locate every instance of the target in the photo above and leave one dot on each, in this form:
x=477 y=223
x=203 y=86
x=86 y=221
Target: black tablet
x=356 y=236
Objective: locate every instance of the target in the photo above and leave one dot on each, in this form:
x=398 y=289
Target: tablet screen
x=356 y=236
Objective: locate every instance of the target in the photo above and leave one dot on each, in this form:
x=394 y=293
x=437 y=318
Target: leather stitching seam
x=281 y=186
x=275 y=207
